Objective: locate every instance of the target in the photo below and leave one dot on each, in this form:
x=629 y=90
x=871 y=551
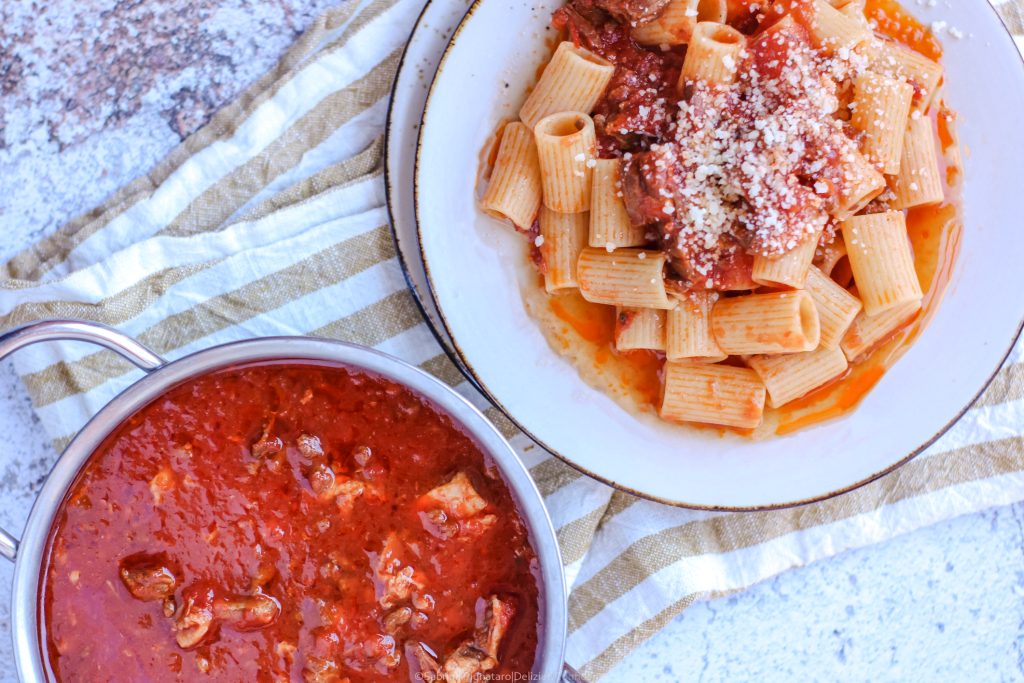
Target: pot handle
x=571 y=675
x=72 y=330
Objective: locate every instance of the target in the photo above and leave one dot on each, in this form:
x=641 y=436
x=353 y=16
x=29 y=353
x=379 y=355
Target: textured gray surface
x=94 y=92
x=940 y=605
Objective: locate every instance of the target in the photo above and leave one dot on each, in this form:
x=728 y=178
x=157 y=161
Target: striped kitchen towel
x=271 y=220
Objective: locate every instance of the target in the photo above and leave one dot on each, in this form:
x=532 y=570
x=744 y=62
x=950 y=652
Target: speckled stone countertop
x=95 y=92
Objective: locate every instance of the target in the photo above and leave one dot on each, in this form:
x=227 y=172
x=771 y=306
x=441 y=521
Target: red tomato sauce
x=637 y=103
x=286 y=522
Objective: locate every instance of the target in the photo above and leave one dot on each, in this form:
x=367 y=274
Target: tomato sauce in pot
x=289 y=522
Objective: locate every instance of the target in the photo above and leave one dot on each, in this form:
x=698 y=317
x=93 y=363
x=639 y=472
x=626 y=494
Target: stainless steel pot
x=28 y=553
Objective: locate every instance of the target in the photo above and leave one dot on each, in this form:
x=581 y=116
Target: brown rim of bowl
x=474 y=378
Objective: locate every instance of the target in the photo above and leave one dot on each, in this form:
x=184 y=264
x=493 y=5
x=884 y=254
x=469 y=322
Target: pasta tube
x=675 y=24
x=860 y=183
x=785 y=322
x=789 y=377
x=712 y=55
x=881 y=109
x=610 y=226
x=563 y=236
x=566 y=149
x=831 y=29
x=626 y=277
x=712 y=394
x=919 y=181
x=868 y=331
x=688 y=330
x=831 y=254
x=898 y=61
x=837 y=308
x=572 y=81
x=515 y=188
x=880 y=258
x=639 y=328
x=788 y=270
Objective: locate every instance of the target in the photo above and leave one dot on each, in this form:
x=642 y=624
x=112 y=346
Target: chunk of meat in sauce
x=396 y=580
x=629 y=12
x=454 y=509
x=319 y=670
x=162 y=483
x=635 y=105
x=395 y=621
x=457 y=497
x=463 y=665
x=495 y=618
x=247 y=612
x=471 y=657
x=646 y=184
x=148 y=577
x=266 y=445
x=426 y=661
x=194 y=621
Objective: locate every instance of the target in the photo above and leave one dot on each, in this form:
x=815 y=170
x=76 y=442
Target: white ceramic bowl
x=472 y=263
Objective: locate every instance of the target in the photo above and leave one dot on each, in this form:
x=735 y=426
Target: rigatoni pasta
x=899 y=61
x=831 y=254
x=562 y=237
x=837 y=308
x=514 y=191
x=833 y=30
x=712 y=394
x=723 y=191
x=868 y=331
x=573 y=81
x=566 y=150
x=881 y=107
x=673 y=26
x=639 y=328
x=880 y=258
x=920 y=180
x=784 y=322
x=861 y=182
x=793 y=376
x=789 y=269
x=610 y=226
x=688 y=330
x=712 y=54
x=625 y=277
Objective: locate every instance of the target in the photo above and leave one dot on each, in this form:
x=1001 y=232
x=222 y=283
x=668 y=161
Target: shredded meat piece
x=267 y=445
x=247 y=612
x=394 y=621
x=347 y=493
x=466 y=662
x=194 y=621
x=647 y=181
x=629 y=12
x=426 y=661
x=162 y=483
x=396 y=580
x=310 y=446
x=457 y=498
x=148 y=577
x=454 y=509
x=750 y=168
x=318 y=670
x=492 y=623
